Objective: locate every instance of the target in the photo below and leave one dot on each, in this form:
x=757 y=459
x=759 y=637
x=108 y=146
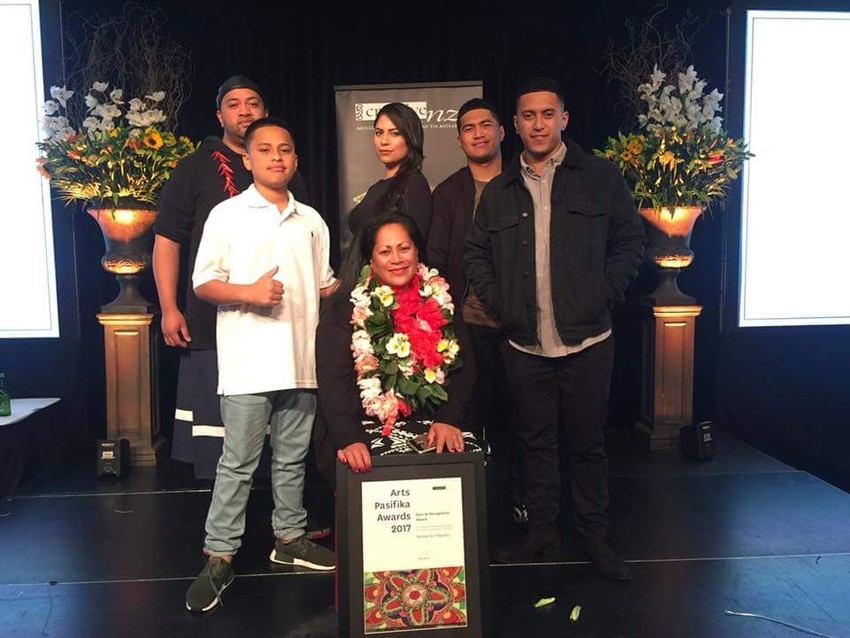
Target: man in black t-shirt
x=213 y=173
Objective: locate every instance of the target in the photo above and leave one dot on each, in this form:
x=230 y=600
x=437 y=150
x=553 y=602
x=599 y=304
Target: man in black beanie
x=213 y=173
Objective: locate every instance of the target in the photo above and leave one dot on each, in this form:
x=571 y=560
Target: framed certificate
x=412 y=546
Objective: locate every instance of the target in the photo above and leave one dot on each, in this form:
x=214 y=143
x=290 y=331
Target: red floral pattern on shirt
x=226 y=172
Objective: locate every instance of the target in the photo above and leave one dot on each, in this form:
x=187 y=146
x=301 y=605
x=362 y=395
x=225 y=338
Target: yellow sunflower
x=152 y=139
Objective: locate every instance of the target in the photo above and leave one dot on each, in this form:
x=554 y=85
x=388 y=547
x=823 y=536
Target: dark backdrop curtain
x=299 y=53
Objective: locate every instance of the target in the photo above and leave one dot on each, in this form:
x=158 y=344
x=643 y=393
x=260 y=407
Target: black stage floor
x=742 y=532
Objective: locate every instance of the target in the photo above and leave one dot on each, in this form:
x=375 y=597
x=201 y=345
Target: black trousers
x=492 y=409
x=566 y=395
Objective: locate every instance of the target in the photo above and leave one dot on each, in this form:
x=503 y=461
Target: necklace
x=403 y=344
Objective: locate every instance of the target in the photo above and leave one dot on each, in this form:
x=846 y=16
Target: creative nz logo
x=368 y=111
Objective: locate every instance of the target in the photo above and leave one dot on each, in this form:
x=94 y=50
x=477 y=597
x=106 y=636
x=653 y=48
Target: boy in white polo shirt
x=264 y=260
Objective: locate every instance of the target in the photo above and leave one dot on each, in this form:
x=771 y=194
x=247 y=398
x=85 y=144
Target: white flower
x=116 y=96
x=698 y=89
x=57 y=123
x=657 y=76
x=370 y=387
x=61 y=94
x=435 y=375
x=91 y=101
x=155 y=116
x=106 y=124
x=361 y=342
x=450 y=350
x=681 y=105
x=144 y=119
x=90 y=123
x=156 y=96
x=136 y=104
x=107 y=111
x=399 y=345
x=50 y=107
x=427 y=273
x=687 y=79
x=100 y=87
x=674 y=106
x=136 y=119
x=65 y=133
x=385 y=295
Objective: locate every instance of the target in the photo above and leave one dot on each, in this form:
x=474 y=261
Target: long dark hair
x=360 y=251
x=409 y=125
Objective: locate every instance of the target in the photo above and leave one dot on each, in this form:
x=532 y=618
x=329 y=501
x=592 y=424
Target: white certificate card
x=412 y=524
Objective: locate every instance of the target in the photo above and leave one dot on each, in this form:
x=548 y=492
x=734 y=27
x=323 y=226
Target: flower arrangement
x=403 y=344
x=680 y=155
x=118 y=151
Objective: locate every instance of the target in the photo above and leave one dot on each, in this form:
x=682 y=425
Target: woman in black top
x=387 y=254
x=398 y=142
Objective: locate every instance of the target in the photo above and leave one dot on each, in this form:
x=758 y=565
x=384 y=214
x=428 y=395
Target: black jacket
x=596 y=238
x=454 y=203
x=416 y=203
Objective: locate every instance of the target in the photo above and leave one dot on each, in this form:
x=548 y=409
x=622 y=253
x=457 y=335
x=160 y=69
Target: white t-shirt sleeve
x=326 y=276
x=213 y=258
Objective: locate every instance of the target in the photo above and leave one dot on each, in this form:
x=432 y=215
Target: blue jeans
x=290 y=415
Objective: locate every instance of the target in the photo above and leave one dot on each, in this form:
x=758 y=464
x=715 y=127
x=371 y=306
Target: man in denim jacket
x=555 y=242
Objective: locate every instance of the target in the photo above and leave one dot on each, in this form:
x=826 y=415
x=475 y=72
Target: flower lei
x=403 y=344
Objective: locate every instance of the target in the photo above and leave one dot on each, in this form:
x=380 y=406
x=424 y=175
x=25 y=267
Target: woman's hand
x=356 y=456
x=445 y=436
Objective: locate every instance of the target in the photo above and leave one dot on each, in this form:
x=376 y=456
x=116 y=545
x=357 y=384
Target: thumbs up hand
x=266 y=291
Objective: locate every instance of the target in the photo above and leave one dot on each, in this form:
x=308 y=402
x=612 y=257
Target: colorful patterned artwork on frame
x=414 y=599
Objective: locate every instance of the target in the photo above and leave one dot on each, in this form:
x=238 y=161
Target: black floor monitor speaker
x=697 y=440
x=113 y=457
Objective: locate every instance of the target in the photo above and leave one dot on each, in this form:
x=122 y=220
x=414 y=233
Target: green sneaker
x=205 y=591
x=304 y=552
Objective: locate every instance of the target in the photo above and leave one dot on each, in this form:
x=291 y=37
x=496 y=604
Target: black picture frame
x=469 y=467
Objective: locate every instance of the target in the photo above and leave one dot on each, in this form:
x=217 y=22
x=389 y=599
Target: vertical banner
x=356 y=107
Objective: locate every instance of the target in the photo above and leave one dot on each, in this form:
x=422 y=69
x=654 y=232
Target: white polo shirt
x=264 y=349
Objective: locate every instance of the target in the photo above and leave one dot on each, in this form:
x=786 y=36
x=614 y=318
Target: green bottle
x=5 y=401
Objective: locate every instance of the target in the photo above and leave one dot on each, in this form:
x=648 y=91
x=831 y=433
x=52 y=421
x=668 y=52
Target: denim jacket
x=597 y=242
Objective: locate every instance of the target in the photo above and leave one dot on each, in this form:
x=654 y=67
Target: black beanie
x=237 y=82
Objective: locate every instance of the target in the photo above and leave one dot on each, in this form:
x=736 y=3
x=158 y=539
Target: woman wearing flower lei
x=388 y=348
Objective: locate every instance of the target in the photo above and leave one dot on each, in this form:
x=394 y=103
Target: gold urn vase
x=669 y=248
x=128 y=237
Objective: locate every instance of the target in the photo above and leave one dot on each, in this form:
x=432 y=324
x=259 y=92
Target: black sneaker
x=316 y=529
x=304 y=552
x=205 y=591
x=605 y=559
